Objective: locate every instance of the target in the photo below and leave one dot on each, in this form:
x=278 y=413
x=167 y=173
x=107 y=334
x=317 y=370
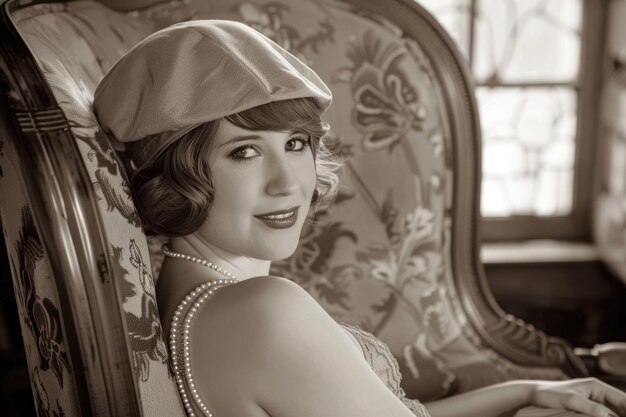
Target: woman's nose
x=283 y=178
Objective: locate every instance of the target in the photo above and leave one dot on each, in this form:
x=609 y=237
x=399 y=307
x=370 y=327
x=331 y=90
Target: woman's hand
x=587 y=396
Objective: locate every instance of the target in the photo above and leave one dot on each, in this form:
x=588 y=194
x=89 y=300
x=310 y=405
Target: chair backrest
x=397 y=254
x=104 y=343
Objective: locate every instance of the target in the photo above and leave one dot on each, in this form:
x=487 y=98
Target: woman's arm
x=587 y=396
x=282 y=353
x=490 y=401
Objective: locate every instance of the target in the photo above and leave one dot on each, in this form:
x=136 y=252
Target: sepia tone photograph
x=313 y=208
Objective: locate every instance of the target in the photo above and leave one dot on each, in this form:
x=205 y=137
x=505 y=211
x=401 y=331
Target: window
x=536 y=66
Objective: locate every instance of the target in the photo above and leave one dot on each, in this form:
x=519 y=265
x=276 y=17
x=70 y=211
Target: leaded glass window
x=525 y=56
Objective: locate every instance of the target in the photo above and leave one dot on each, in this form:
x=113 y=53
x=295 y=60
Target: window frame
x=577 y=224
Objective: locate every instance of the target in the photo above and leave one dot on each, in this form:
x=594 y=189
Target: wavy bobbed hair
x=172 y=189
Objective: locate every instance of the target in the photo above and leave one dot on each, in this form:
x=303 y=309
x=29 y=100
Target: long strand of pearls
x=180 y=332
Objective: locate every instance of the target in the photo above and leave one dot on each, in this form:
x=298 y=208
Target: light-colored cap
x=194 y=72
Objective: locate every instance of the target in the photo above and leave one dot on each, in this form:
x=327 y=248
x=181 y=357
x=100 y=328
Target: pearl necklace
x=180 y=333
x=190 y=258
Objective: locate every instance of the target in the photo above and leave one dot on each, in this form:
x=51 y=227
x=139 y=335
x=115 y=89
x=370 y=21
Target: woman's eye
x=245 y=152
x=297 y=144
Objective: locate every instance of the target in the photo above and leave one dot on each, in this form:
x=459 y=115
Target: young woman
x=225 y=134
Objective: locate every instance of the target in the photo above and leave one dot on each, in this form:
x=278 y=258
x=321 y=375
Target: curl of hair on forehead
x=173 y=190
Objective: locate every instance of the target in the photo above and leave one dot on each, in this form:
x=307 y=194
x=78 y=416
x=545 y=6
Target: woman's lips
x=281 y=219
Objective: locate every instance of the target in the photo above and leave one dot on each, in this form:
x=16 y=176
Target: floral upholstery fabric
x=43 y=333
x=75 y=44
x=379 y=258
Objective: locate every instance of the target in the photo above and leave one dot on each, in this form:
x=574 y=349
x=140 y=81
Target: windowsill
x=538 y=251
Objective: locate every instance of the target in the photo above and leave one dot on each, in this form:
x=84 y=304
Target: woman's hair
x=172 y=190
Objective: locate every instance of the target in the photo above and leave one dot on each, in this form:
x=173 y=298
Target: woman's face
x=264 y=182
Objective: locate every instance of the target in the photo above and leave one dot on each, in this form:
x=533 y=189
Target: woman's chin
x=278 y=252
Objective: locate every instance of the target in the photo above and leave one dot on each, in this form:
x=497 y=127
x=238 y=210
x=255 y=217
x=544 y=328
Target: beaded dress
x=376 y=353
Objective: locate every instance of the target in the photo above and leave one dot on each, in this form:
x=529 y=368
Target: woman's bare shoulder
x=249 y=326
x=262 y=287
x=265 y=293
x=273 y=333
x=261 y=320
x=266 y=300
x=255 y=325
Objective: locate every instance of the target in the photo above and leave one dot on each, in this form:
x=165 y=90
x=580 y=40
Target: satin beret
x=197 y=71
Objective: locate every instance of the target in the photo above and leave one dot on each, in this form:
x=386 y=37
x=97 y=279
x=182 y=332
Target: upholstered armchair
x=397 y=254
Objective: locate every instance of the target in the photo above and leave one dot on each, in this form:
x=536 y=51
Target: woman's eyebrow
x=236 y=139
